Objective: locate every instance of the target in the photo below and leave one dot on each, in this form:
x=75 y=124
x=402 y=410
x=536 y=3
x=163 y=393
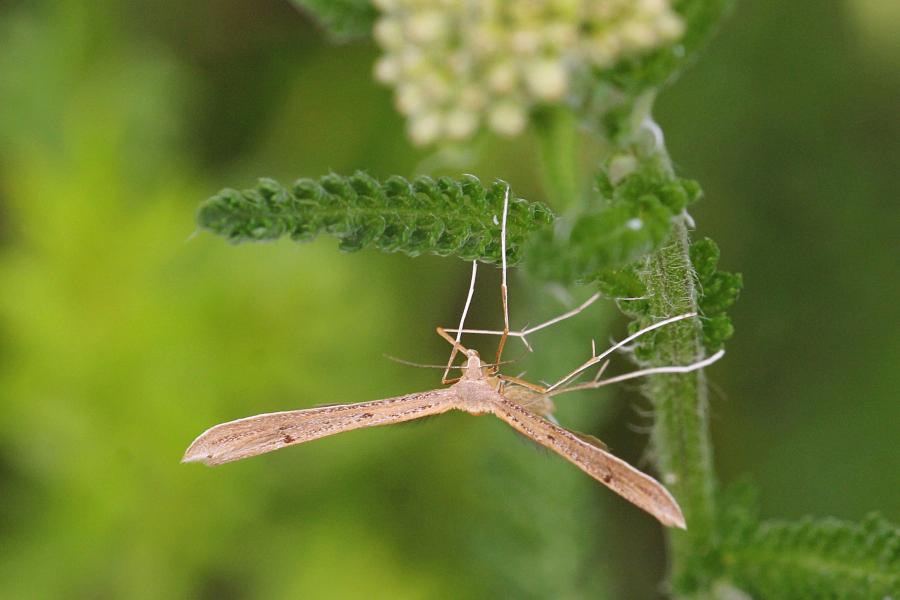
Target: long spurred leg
x=503 y=295
x=503 y=287
x=526 y=384
x=598 y=358
x=504 y=298
x=462 y=320
x=597 y=382
x=524 y=333
x=457 y=347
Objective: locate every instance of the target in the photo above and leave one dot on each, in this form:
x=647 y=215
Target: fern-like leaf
x=633 y=218
x=444 y=216
x=815 y=558
x=717 y=291
x=609 y=245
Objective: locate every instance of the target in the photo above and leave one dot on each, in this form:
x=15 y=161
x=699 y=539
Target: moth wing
x=259 y=434
x=638 y=488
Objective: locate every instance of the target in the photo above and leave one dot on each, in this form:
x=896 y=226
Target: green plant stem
x=557 y=134
x=681 y=429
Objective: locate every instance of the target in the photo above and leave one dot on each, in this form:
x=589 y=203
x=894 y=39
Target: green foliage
x=702 y=18
x=556 y=135
x=601 y=241
x=716 y=292
x=608 y=246
x=640 y=253
x=633 y=218
x=342 y=18
x=618 y=93
x=809 y=558
x=444 y=216
x=619 y=234
x=119 y=340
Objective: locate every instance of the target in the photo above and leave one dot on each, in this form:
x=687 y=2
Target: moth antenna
x=418 y=365
x=502 y=362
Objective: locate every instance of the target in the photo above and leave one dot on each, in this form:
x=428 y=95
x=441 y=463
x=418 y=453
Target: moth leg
x=503 y=287
x=524 y=333
x=457 y=347
x=526 y=384
x=597 y=382
x=599 y=357
x=462 y=321
x=505 y=334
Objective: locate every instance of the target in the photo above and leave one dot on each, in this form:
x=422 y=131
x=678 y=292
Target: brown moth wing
x=638 y=488
x=267 y=432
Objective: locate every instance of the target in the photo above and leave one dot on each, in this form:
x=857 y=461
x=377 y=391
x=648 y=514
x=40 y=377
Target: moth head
x=473 y=365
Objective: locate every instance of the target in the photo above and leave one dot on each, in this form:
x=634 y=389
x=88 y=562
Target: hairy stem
x=681 y=430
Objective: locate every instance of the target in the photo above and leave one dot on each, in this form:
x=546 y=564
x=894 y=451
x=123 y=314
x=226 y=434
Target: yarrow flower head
x=457 y=65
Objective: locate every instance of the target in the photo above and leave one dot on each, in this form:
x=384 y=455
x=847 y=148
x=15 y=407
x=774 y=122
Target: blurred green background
x=122 y=336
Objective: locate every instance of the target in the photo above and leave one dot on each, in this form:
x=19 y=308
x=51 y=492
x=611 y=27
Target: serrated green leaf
x=622 y=283
x=634 y=218
x=717 y=291
x=814 y=558
x=620 y=234
x=438 y=216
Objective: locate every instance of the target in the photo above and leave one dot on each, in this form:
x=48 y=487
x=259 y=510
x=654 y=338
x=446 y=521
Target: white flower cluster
x=456 y=64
